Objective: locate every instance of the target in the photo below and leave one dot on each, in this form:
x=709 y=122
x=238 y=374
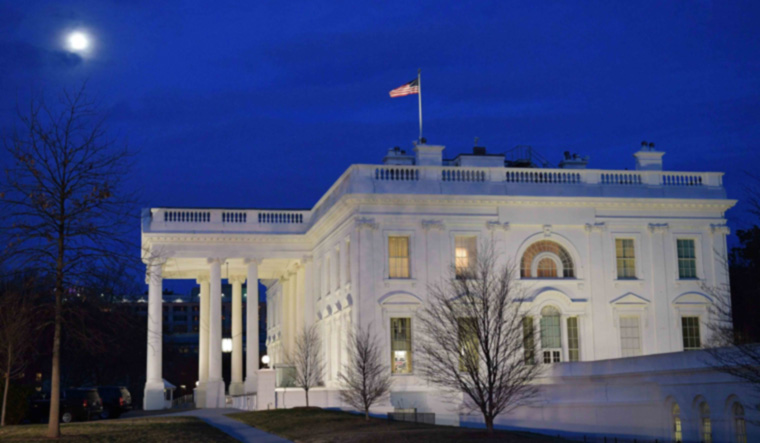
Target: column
x=252 y=327
x=661 y=277
x=215 y=385
x=308 y=291
x=154 y=385
x=200 y=392
x=236 y=381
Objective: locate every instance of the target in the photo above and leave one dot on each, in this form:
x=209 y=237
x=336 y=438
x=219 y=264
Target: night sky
x=264 y=104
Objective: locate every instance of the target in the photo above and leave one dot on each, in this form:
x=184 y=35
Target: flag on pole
x=413 y=87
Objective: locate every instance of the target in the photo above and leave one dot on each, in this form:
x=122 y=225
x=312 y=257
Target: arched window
x=544 y=258
x=676 y=415
x=551 y=335
x=547 y=268
x=704 y=423
x=740 y=426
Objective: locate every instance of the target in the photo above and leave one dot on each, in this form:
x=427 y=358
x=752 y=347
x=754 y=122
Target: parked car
x=116 y=401
x=76 y=404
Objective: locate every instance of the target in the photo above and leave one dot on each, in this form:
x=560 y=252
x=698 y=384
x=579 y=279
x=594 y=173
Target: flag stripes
x=413 y=87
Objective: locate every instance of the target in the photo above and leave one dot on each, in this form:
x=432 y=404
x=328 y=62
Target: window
x=401 y=345
x=630 y=336
x=704 y=423
x=547 y=268
x=533 y=260
x=573 y=342
x=465 y=250
x=529 y=341
x=687 y=258
x=468 y=344
x=398 y=257
x=690 y=331
x=676 y=415
x=626 y=258
x=740 y=426
x=551 y=335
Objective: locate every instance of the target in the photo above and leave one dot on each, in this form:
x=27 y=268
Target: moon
x=78 y=41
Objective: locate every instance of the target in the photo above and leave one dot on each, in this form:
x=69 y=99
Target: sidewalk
x=236 y=429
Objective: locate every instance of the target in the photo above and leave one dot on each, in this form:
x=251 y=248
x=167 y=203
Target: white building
x=614 y=262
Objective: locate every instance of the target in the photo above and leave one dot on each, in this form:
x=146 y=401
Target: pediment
x=630 y=299
x=399 y=299
x=692 y=298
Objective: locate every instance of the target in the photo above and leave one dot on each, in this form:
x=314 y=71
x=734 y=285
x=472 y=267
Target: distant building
x=181 y=319
x=615 y=262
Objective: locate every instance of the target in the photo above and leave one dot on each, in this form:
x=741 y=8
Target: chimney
x=428 y=155
x=647 y=159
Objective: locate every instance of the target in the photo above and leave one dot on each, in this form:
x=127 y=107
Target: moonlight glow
x=78 y=41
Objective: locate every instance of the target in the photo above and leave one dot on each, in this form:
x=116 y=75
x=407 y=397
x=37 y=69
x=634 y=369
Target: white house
x=614 y=263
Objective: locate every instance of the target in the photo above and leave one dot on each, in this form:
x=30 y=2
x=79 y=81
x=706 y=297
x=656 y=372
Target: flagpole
x=419 y=97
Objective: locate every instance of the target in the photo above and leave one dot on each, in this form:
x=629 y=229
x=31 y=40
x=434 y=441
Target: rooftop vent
x=398 y=156
x=573 y=161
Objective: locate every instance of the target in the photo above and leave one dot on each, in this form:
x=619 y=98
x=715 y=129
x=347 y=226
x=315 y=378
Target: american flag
x=413 y=87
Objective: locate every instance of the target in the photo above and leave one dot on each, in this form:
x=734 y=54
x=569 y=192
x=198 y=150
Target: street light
x=265 y=360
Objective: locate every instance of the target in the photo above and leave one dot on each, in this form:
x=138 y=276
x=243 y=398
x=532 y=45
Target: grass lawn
x=160 y=429
x=318 y=425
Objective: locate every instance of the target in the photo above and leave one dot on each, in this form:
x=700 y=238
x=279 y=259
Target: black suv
x=76 y=404
x=116 y=401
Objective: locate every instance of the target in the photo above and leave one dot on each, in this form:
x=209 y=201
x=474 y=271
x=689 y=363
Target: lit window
x=705 y=424
x=398 y=257
x=401 y=345
x=690 y=330
x=465 y=250
x=468 y=344
x=528 y=341
x=551 y=335
x=546 y=268
x=630 y=336
x=687 y=259
x=676 y=415
x=546 y=246
x=626 y=258
x=740 y=426
x=573 y=342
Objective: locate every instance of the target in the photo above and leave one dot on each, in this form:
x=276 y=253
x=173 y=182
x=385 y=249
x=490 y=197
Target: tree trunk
x=489 y=424
x=366 y=414
x=307 y=397
x=54 y=427
x=5 y=389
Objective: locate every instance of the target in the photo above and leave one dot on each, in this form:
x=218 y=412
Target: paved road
x=237 y=429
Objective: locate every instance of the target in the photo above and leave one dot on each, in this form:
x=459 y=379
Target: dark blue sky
x=264 y=104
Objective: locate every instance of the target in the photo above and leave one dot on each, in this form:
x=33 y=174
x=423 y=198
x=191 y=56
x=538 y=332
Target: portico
x=210 y=273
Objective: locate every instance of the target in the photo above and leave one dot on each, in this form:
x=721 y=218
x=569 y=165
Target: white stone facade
x=572 y=231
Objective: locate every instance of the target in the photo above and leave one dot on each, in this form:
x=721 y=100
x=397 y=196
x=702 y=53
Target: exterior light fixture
x=265 y=360
x=227 y=345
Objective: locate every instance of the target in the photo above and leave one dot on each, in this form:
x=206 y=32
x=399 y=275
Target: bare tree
x=473 y=341
x=17 y=332
x=364 y=380
x=307 y=359
x=64 y=207
x=731 y=351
